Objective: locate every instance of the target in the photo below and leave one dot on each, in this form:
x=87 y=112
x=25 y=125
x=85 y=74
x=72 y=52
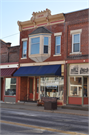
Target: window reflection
x=52 y=87
x=10 y=86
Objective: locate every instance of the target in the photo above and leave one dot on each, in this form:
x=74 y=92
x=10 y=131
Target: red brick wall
x=83 y=38
x=13 y=54
x=77 y=20
x=8 y=53
x=54 y=29
x=23 y=88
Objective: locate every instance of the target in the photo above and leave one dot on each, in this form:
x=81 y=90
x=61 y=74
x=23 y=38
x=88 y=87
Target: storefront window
x=10 y=86
x=52 y=87
x=75 y=86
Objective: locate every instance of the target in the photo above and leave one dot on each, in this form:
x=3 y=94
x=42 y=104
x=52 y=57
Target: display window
x=75 y=86
x=52 y=87
x=10 y=86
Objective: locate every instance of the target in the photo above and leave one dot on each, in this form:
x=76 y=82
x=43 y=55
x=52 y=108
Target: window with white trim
x=76 y=40
x=58 y=45
x=24 y=49
x=76 y=43
x=46 y=40
x=75 y=86
x=39 y=47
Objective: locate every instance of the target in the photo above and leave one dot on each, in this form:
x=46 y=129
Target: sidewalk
x=34 y=107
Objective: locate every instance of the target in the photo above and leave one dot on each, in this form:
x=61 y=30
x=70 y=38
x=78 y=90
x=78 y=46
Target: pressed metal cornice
x=41 y=18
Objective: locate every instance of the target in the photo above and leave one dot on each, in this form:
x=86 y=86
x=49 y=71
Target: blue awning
x=49 y=70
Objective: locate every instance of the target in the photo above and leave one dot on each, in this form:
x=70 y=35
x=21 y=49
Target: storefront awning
x=7 y=72
x=49 y=70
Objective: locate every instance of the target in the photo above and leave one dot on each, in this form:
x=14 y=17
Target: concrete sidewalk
x=33 y=107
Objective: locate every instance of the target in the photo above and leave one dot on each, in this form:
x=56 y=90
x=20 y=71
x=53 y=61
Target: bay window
x=45 y=44
x=35 y=45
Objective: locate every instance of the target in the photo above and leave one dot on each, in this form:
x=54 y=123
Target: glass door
x=85 y=90
x=37 y=88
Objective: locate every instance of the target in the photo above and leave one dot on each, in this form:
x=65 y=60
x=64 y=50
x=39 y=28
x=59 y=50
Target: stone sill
x=57 y=55
x=23 y=58
x=74 y=53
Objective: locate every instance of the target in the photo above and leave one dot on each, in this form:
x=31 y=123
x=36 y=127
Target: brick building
x=77 y=57
x=53 y=57
x=9 y=63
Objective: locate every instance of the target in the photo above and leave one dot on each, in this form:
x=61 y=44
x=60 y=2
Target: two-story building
x=9 y=63
x=77 y=57
x=42 y=57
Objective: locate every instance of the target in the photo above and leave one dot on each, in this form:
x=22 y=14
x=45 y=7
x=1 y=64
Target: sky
x=12 y=11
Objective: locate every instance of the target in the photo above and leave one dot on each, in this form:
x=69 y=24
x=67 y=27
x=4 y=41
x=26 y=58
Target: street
x=24 y=122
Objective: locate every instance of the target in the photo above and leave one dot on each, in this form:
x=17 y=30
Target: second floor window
x=24 y=51
x=76 y=43
x=58 y=45
x=45 y=44
x=35 y=45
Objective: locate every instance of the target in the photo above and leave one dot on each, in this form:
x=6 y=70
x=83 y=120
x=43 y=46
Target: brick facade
x=54 y=29
x=77 y=20
x=73 y=21
x=8 y=53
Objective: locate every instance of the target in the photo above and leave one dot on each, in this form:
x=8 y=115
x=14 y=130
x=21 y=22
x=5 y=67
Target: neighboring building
x=9 y=63
x=54 y=57
x=77 y=57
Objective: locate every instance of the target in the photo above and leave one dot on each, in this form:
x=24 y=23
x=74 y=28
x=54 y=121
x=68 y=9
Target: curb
x=47 y=111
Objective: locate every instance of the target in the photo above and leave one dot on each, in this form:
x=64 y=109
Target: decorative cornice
x=42 y=18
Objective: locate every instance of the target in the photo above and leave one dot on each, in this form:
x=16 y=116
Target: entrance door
x=37 y=88
x=31 y=82
x=1 y=89
x=85 y=90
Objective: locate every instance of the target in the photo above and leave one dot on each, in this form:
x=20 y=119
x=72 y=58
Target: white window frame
x=39 y=46
x=45 y=45
x=23 y=40
x=73 y=43
x=41 y=51
x=75 y=32
x=57 y=45
x=57 y=34
x=75 y=86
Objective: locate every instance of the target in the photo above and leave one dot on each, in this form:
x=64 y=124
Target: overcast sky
x=13 y=10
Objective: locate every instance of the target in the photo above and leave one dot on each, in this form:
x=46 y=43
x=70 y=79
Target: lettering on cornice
x=37 y=15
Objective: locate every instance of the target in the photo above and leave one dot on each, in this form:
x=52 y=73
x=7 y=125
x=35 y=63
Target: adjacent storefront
x=78 y=84
x=9 y=88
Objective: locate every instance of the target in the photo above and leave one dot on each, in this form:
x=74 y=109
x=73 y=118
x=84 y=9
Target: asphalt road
x=24 y=122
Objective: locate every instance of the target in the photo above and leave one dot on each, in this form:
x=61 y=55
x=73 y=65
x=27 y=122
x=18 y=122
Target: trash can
x=50 y=105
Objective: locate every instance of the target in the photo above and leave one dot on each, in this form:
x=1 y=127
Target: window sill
x=75 y=53
x=37 y=55
x=76 y=96
x=24 y=58
x=57 y=55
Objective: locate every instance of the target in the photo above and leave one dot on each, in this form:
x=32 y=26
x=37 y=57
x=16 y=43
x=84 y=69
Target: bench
x=46 y=99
